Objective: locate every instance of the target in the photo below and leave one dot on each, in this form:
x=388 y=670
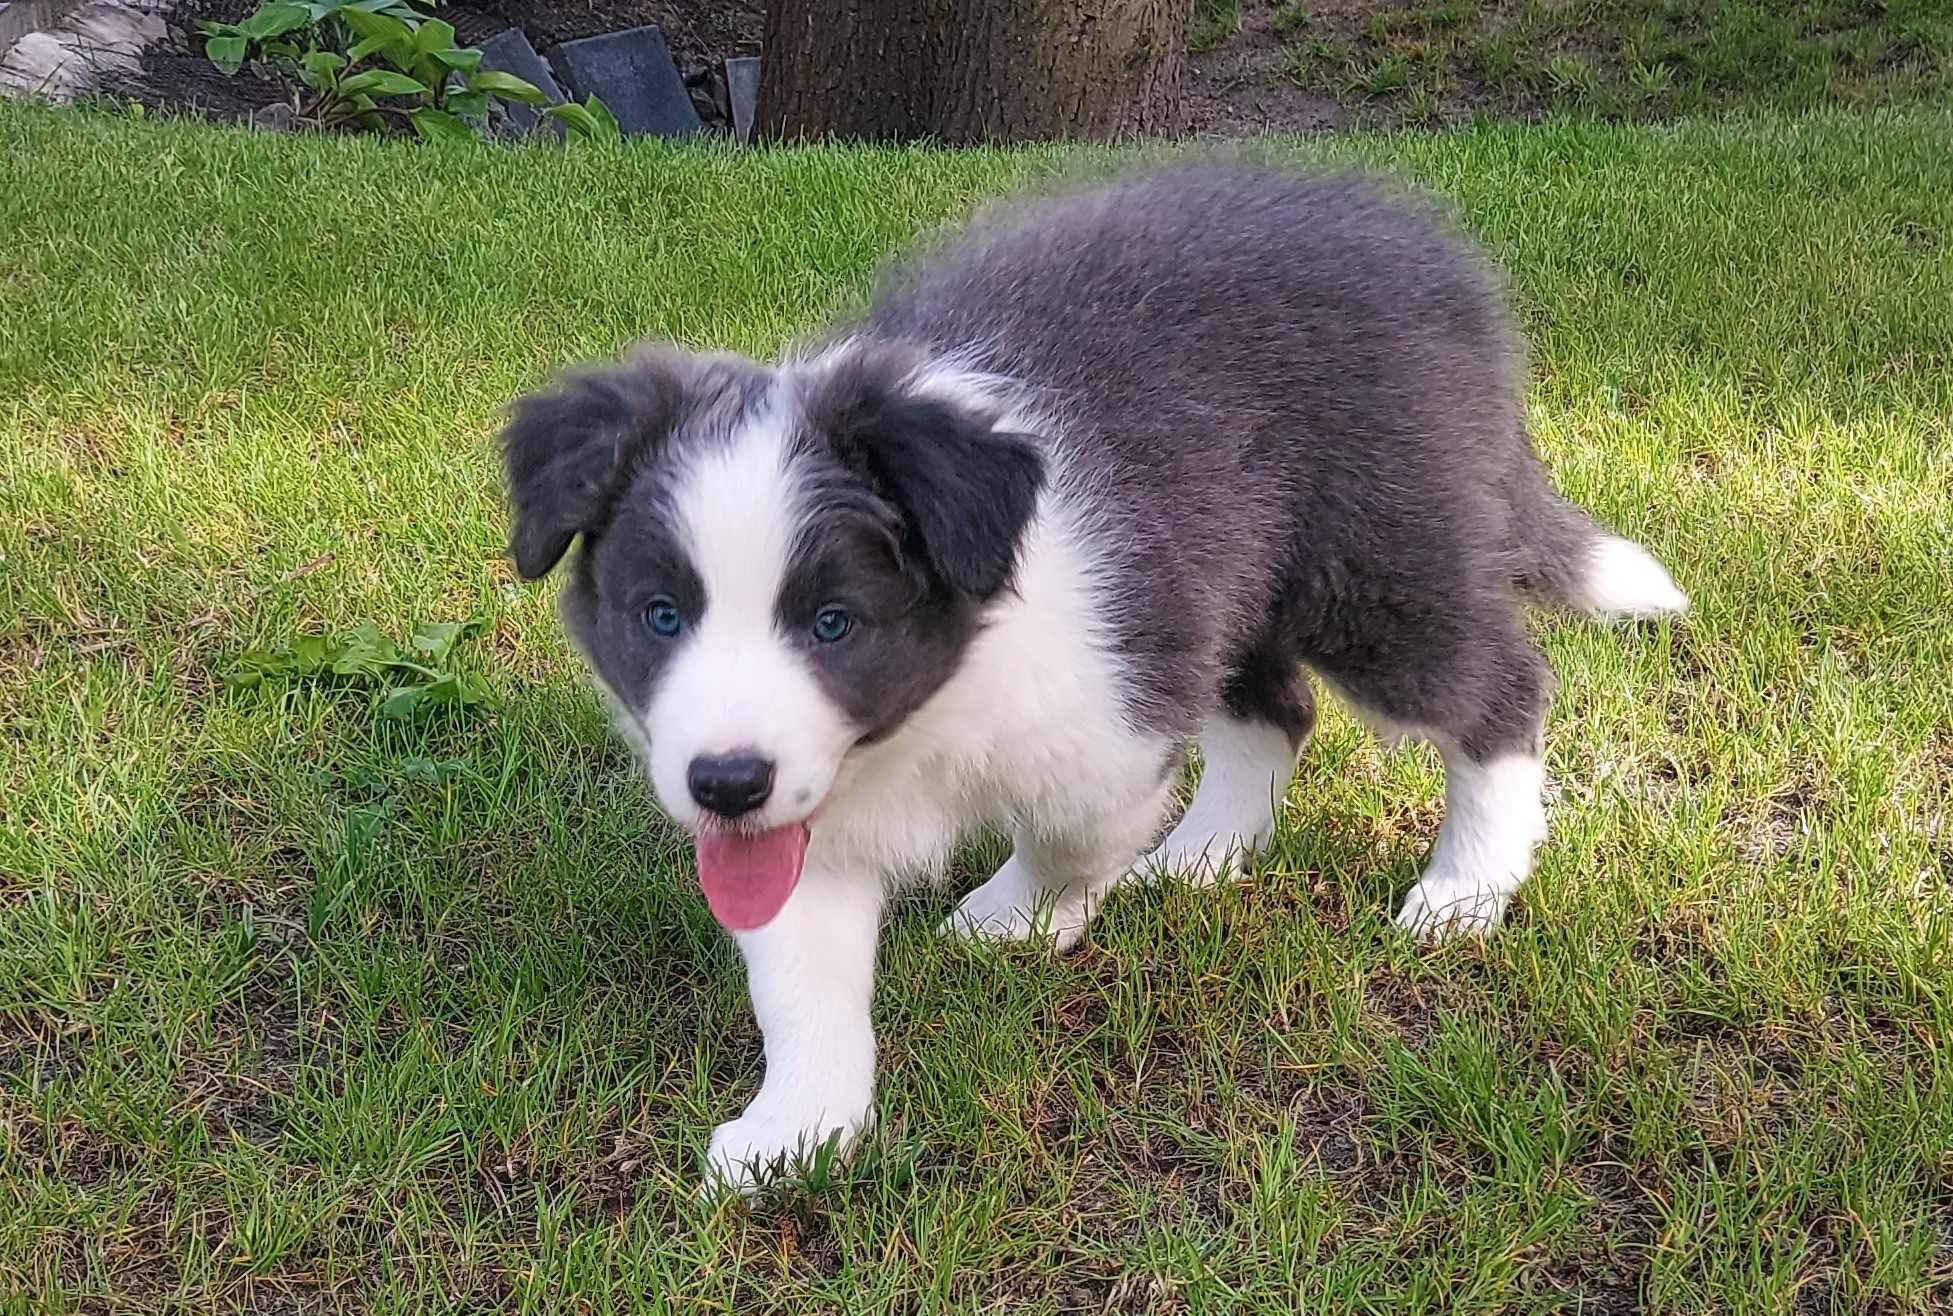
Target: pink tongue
x=748 y=877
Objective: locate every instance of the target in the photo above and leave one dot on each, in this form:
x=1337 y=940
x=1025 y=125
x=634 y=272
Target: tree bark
x=970 y=71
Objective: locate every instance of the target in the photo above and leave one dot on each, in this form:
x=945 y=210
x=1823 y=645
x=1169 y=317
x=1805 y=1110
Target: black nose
x=730 y=784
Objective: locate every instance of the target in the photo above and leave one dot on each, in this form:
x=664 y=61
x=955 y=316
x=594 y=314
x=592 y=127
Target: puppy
x=1102 y=478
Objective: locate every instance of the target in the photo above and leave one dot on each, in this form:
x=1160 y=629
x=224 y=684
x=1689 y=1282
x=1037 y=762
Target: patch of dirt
x=171 y=77
x=1330 y=1120
x=1242 y=86
x=698 y=32
x=1409 y=1006
x=1599 y=1263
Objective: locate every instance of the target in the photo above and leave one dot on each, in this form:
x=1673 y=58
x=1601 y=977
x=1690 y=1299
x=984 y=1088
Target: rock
x=88 y=44
x=510 y=52
x=22 y=17
x=277 y=117
x=742 y=87
x=630 y=72
x=708 y=89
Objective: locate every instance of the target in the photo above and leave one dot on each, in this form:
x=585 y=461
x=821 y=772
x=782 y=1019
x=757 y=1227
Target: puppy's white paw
x=1442 y=907
x=1010 y=907
x=764 y=1143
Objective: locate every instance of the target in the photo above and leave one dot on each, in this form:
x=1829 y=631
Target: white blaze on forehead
x=736 y=517
x=738 y=683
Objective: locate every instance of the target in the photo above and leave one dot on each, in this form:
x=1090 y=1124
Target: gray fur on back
x=1295 y=406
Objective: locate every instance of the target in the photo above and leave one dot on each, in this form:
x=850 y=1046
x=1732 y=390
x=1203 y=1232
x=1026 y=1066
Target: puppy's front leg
x=811 y=973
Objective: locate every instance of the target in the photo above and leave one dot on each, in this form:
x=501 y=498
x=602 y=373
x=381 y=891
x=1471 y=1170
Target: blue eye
x=830 y=624
x=663 y=619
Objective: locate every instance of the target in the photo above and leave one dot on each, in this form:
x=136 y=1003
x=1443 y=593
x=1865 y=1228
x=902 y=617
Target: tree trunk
x=966 y=71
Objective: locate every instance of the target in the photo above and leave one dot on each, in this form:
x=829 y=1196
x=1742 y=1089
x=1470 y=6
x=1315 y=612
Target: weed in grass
x=1651 y=80
x=1214 y=22
x=1289 y=19
x=1497 y=58
x=1386 y=75
x=1796 y=55
x=408 y=681
x=1322 y=63
x=1569 y=77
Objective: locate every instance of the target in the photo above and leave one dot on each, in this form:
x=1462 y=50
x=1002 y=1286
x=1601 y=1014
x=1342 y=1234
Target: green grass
x=1214 y=21
x=1629 y=59
x=306 y=1007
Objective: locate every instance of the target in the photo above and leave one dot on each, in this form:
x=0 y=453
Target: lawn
x=304 y=1006
x=1430 y=61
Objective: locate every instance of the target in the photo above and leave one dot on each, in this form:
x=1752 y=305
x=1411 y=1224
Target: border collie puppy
x=1100 y=479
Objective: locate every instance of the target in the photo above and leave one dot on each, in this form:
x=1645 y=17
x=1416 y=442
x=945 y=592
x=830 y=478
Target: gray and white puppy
x=1100 y=479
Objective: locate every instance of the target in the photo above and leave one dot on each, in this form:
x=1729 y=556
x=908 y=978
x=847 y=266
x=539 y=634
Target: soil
x=1241 y=87
x=1246 y=84
x=698 y=32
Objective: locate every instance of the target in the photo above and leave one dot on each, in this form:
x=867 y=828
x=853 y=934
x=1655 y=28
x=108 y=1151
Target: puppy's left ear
x=965 y=491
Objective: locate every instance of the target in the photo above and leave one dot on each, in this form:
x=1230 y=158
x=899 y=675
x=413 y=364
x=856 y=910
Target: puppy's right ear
x=568 y=449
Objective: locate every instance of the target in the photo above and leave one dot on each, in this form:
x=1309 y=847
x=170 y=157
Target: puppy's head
x=777 y=566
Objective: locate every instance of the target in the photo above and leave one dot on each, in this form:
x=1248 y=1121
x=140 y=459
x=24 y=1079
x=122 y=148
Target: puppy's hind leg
x=1482 y=700
x=1248 y=754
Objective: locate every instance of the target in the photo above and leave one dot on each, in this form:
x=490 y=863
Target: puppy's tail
x=1567 y=559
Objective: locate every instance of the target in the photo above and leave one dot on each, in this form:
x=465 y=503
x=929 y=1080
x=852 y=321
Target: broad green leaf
x=251 y=667
x=310 y=655
x=226 y=52
x=459 y=58
x=506 y=85
x=382 y=82
x=279 y=50
x=591 y=121
x=433 y=35
x=461 y=691
x=274 y=20
x=365 y=652
x=403 y=703
x=606 y=121
x=439 y=126
x=467 y=104
x=361 y=49
x=574 y=117
x=436 y=639
x=383 y=27
x=318 y=67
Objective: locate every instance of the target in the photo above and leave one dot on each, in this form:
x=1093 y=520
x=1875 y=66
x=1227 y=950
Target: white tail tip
x=1624 y=580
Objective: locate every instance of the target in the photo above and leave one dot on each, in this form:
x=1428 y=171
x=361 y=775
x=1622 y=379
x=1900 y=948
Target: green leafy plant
x=1290 y=18
x=1571 y=77
x=358 y=63
x=410 y=681
x=1214 y=22
x=1651 y=80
